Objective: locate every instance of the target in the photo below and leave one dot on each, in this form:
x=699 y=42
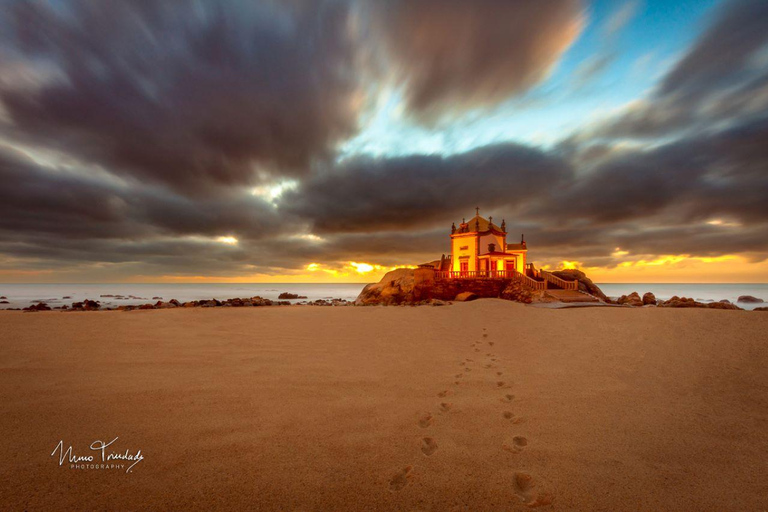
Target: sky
x=335 y=140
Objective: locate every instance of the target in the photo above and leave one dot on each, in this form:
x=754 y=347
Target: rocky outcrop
x=396 y=287
x=762 y=308
x=685 y=302
x=633 y=299
x=286 y=295
x=749 y=299
x=585 y=283
x=649 y=299
x=515 y=292
x=418 y=286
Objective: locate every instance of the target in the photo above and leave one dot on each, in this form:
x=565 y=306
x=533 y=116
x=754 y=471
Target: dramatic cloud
x=200 y=138
x=719 y=79
x=408 y=192
x=455 y=55
x=188 y=94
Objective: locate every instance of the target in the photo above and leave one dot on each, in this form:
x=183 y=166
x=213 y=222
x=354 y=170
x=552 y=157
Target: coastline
x=319 y=408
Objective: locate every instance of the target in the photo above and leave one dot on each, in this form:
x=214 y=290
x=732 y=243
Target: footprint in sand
x=458 y=375
x=525 y=490
x=500 y=384
x=426 y=420
x=491 y=343
x=467 y=369
x=487 y=366
x=463 y=363
x=400 y=479
x=444 y=393
x=477 y=350
x=485 y=335
x=489 y=355
x=445 y=407
x=508 y=415
x=499 y=373
x=428 y=446
x=517 y=444
x=508 y=398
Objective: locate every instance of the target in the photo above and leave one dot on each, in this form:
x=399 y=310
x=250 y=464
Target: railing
x=494 y=274
x=472 y=274
x=562 y=283
x=529 y=282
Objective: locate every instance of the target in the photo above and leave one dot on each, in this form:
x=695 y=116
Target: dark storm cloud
x=188 y=94
x=401 y=193
x=718 y=79
x=455 y=55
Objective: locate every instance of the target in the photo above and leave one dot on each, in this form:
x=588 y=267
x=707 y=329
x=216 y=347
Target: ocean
x=22 y=295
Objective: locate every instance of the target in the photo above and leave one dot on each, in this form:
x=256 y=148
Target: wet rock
x=633 y=299
x=40 y=306
x=4 y=302
x=147 y=306
x=686 y=302
x=286 y=295
x=762 y=308
x=649 y=299
x=749 y=299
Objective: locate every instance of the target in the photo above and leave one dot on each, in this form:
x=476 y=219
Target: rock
x=3 y=297
x=396 y=287
x=585 y=283
x=438 y=302
x=649 y=299
x=147 y=306
x=515 y=292
x=157 y=298
x=685 y=302
x=40 y=306
x=66 y=297
x=4 y=302
x=286 y=295
x=190 y=304
x=749 y=299
x=174 y=302
x=762 y=308
x=466 y=297
x=633 y=299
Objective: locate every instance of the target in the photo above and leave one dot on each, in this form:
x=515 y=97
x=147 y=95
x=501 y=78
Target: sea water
x=22 y=295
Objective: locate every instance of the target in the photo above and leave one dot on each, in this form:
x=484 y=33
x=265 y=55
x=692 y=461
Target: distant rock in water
x=685 y=302
x=286 y=295
x=633 y=299
x=749 y=299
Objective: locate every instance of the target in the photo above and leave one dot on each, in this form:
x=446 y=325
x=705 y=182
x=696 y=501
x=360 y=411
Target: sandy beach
x=487 y=405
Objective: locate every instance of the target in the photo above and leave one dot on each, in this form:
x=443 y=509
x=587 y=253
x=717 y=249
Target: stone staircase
x=570 y=295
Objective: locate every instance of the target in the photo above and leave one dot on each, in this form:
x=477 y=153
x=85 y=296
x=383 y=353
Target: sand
x=487 y=405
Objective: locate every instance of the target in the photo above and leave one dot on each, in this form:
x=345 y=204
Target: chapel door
x=509 y=268
x=464 y=267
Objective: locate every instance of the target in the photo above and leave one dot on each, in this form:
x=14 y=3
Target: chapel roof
x=478 y=223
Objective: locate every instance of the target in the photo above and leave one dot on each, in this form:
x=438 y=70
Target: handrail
x=523 y=279
x=529 y=282
x=562 y=283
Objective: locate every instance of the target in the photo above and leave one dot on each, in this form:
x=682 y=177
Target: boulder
x=466 y=297
x=649 y=299
x=585 y=283
x=762 y=308
x=515 y=292
x=396 y=287
x=4 y=302
x=147 y=306
x=286 y=295
x=633 y=299
x=3 y=297
x=750 y=299
x=685 y=302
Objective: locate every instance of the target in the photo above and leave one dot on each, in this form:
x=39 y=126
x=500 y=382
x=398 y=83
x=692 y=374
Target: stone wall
x=426 y=287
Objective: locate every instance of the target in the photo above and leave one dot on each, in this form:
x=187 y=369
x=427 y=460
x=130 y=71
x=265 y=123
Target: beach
x=485 y=405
